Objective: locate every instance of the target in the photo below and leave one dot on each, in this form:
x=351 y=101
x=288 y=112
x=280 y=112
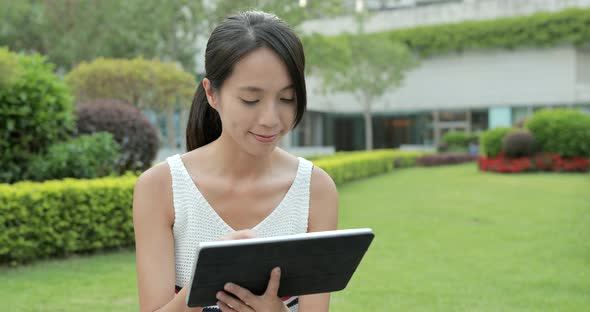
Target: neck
x=229 y=159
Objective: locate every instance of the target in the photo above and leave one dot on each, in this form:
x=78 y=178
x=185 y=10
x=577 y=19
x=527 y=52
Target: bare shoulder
x=322 y=183
x=323 y=208
x=154 y=186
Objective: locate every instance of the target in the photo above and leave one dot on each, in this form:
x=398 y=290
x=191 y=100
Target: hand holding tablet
x=310 y=263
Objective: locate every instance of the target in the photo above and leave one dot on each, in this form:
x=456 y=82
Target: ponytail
x=204 y=124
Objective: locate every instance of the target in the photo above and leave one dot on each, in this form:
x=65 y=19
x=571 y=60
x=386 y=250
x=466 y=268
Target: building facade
x=468 y=91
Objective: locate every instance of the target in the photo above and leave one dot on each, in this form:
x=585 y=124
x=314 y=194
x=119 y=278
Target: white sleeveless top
x=196 y=221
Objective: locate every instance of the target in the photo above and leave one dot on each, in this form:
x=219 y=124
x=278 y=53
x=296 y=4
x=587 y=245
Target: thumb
x=273 y=284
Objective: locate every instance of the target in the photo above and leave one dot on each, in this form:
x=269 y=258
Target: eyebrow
x=257 y=89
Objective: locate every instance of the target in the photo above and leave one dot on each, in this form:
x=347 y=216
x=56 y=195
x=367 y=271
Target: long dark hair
x=230 y=41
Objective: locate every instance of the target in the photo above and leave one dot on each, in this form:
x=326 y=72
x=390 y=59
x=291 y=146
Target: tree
x=363 y=65
x=71 y=31
x=289 y=11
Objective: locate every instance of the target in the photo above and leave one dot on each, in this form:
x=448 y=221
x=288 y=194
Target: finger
x=224 y=307
x=274 y=282
x=234 y=303
x=242 y=293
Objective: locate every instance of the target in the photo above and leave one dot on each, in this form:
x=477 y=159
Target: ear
x=211 y=95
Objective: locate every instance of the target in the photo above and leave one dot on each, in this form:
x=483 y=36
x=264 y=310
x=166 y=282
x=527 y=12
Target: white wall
x=475 y=79
x=583 y=75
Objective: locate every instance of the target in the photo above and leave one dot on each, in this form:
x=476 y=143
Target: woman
x=234 y=182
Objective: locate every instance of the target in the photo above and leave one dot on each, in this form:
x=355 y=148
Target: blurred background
x=447 y=65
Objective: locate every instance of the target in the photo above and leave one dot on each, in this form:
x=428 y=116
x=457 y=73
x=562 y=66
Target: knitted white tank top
x=196 y=221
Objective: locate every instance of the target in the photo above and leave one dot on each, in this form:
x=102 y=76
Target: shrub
x=352 y=166
x=444 y=159
x=519 y=143
x=88 y=156
x=564 y=132
x=491 y=141
x=136 y=136
x=139 y=82
x=454 y=139
x=9 y=67
x=59 y=218
x=36 y=111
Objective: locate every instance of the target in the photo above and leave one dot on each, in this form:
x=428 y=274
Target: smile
x=265 y=138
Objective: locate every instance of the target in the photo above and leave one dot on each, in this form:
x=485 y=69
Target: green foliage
x=561 y=131
x=9 y=68
x=118 y=29
x=519 y=143
x=288 y=11
x=86 y=157
x=58 y=218
x=543 y=29
x=36 y=111
x=352 y=63
x=143 y=83
x=357 y=165
x=491 y=141
x=458 y=139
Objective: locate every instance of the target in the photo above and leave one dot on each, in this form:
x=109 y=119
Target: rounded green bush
x=561 y=131
x=491 y=141
x=36 y=110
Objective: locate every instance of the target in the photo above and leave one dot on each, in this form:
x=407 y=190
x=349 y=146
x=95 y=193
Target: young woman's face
x=257 y=103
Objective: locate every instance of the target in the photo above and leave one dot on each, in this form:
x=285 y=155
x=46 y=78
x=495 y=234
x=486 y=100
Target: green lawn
x=447 y=239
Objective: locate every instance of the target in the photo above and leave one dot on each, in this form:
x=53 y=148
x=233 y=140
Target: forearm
x=178 y=304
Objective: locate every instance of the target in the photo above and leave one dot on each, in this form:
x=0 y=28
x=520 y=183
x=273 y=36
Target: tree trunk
x=183 y=124
x=171 y=127
x=368 y=122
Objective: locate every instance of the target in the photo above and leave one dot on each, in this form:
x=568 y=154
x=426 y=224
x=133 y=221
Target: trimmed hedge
x=357 y=165
x=58 y=218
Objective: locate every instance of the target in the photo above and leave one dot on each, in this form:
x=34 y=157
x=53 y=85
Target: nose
x=269 y=115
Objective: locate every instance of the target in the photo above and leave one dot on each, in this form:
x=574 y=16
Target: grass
x=447 y=239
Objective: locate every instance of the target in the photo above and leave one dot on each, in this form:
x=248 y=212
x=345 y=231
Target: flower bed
x=539 y=162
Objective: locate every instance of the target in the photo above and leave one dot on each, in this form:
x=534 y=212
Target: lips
x=265 y=138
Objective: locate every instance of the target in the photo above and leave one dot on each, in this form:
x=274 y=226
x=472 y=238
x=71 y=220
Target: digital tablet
x=310 y=263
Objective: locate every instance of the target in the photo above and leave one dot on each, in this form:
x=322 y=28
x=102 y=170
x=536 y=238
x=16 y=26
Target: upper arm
x=323 y=216
x=323 y=206
x=153 y=217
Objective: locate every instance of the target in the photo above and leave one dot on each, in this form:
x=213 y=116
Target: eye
x=249 y=102
x=288 y=100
